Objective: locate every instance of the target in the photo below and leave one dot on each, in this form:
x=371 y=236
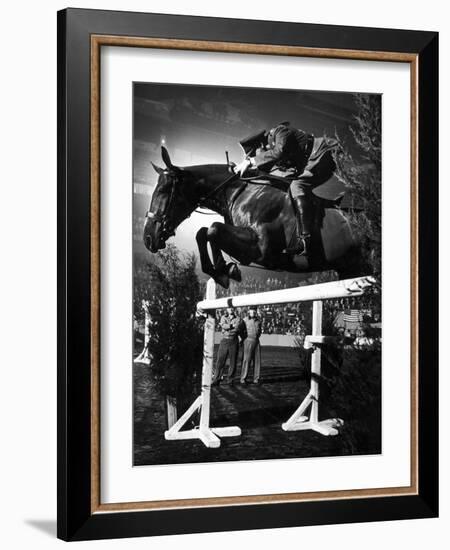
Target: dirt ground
x=259 y=410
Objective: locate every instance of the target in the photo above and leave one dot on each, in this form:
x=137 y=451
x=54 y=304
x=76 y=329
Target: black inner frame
x=75 y=521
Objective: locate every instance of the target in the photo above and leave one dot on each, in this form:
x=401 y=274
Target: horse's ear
x=166 y=159
x=157 y=169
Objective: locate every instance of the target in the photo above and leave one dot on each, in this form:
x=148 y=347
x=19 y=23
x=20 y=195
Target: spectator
x=232 y=328
x=252 y=350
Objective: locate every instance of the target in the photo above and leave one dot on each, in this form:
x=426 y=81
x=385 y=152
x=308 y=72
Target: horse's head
x=171 y=204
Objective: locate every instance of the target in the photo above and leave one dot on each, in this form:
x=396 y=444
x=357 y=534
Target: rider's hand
x=242 y=167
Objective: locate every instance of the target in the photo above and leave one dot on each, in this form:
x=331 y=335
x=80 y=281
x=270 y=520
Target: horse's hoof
x=222 y=280
x=234 y=272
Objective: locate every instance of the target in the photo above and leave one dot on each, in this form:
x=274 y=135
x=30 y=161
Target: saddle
x=332 y=191
x=263 y=178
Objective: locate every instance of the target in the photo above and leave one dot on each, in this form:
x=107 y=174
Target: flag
x=353 y=316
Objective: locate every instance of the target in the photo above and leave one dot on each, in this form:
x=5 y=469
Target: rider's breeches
x=300 y=188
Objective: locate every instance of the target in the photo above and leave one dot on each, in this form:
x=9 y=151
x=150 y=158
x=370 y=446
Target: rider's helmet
x=271 y=133
x=252 y=143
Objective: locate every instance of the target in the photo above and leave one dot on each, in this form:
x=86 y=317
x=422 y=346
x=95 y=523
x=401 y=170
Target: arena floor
x=258 y=409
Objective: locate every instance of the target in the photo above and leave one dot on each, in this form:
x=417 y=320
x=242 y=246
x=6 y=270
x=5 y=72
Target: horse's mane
x=207 y=168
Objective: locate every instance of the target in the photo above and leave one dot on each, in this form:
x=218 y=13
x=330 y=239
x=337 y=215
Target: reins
x=250 y=180
x=214 y=191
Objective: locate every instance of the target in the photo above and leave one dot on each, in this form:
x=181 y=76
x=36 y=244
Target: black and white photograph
x=257 y=291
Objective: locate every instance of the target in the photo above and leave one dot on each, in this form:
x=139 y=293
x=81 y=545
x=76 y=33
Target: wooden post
x=298 y=421
x=171 y=410
x=208 y=356
x=209 y=436
x=316 y=360
x=144 y=356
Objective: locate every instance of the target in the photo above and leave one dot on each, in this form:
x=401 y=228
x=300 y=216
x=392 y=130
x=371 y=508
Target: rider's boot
x=304 y=223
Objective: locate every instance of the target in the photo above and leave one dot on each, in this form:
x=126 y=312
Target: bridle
x=163 y=218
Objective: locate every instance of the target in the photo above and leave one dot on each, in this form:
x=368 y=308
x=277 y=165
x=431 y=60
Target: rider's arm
x=264 y=160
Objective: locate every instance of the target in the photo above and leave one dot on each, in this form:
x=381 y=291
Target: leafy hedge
x=175 y=333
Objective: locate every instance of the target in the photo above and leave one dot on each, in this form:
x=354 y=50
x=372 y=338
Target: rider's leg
x=319 y=168
x=300 y=191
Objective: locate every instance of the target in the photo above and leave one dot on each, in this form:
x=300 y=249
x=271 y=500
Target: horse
x=259 y=223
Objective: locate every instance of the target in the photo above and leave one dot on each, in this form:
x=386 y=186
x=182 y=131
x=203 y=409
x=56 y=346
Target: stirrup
x=301 y=249
x=306 y=240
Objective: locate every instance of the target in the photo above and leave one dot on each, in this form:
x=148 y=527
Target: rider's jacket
x=288 y=147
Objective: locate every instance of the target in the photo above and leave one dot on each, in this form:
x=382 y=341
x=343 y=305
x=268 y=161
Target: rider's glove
x=242 y=167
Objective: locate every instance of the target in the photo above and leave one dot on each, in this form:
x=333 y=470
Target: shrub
x=175 y=333
x=359 y=168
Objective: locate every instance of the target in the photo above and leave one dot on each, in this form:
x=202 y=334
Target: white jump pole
x=144 y=356
x=208 y=435
x=298 y=421
x=309 y=293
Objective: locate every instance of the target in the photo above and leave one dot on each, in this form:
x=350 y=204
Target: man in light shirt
x=252 y=349
x=231 y=327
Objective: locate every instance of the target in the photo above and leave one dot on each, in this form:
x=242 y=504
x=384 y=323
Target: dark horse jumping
x=259 y=223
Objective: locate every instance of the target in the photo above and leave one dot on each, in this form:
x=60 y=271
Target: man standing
x=252 y=349
x=299 y=156
x=231 y=327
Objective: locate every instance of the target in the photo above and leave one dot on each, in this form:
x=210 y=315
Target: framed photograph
x=247 y=254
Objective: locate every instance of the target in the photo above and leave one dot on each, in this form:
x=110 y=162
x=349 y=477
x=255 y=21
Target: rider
x=297 y=155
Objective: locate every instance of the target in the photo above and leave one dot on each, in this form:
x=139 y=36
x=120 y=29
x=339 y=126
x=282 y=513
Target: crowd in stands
x=294 y=319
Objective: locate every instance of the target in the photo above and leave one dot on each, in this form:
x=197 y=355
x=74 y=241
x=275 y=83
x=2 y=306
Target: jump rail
x=322 y=291
x=298 y=421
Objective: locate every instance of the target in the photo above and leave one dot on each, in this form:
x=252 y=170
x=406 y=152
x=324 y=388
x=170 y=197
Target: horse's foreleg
x=213 y=237
x=202 y=243
x=217 y=270
x=219 y=266
x=240 y=243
